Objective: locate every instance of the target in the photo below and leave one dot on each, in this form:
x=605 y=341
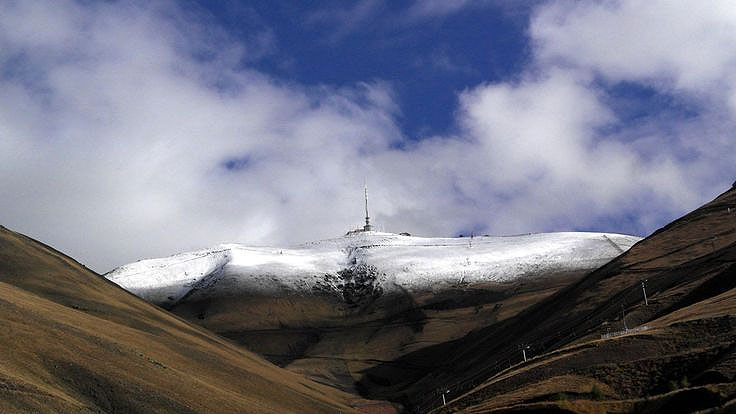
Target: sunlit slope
x=74 y=342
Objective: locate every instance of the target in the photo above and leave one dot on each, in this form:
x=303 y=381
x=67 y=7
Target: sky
x=138 y=129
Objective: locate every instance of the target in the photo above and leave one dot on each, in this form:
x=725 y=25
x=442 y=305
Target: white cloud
x=675 y=48
x=116 y=133
x=687 y=45
x=116 y=149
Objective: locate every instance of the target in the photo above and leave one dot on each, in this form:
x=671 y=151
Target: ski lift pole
x=623 y=317
x=523 y=351
x=644 y=289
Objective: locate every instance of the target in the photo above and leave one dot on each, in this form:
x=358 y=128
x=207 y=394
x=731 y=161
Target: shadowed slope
x=74 y=342
x=689 y=268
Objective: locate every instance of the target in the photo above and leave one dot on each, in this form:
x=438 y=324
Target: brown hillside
x=681 y=361
x=74 y=342
x=336 y=348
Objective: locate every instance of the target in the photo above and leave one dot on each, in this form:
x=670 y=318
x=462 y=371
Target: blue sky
x=426 y=59
x=133 y=129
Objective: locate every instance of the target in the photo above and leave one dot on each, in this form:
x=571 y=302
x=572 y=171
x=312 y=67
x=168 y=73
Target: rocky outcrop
x=357 y=286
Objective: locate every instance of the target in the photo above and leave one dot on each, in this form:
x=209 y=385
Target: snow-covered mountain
x=361 y=266
x=334 y=308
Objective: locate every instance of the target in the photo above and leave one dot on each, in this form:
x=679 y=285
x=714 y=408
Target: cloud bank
x=132 y=130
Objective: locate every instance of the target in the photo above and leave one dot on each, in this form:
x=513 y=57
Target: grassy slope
x=691 y=271
x=338 y=354
x=73 y=342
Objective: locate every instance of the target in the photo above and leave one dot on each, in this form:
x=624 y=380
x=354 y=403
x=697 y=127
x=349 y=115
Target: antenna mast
x=367 y=226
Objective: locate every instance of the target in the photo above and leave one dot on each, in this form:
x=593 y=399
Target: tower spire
x=367 y=226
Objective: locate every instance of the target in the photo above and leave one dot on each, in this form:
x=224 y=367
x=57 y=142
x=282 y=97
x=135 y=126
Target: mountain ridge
x=191 y=271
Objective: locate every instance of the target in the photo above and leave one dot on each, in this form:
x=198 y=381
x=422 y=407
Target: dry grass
x=73 y=342
x=319 y=337
x=689 y=351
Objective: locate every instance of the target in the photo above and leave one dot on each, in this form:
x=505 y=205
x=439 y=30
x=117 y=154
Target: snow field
x=403 y=262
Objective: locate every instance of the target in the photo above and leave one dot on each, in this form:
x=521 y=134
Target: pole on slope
x=523 y=351
x=623 y=317
x=644 y=289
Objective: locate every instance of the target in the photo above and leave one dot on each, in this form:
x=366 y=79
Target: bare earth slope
x=677 y=356
x=72 y=342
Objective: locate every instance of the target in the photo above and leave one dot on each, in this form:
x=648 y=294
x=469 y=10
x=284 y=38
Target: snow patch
x=360 y=267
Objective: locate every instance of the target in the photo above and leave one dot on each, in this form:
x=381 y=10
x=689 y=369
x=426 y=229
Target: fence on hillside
x=614 y=334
